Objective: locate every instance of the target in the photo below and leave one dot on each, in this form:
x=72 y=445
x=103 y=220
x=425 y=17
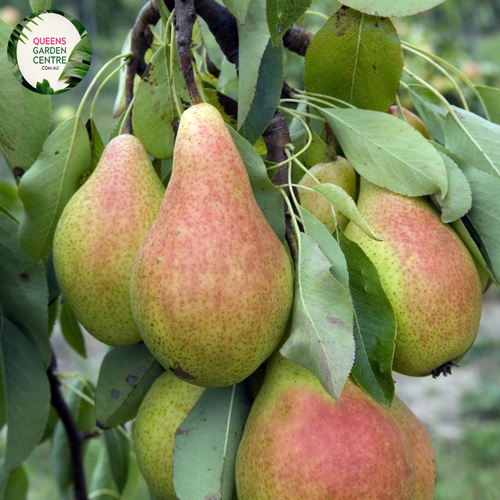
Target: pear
x=299 y=443
x=339 y=172
x=98 y=235
x=212 y=287
x=413 y=120
x=421 y=447
x=166 y=404
x=428 y=275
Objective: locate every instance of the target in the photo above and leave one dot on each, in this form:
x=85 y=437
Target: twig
x=297 y=39
x=75 y=437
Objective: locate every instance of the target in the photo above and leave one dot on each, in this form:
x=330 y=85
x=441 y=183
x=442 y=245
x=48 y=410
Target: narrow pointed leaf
x=96 y=144
x=124 y=378
x=491 y=98
x=374 y=325
x=23 y=289
x=390 y=8
x=356 y=58
x=482 y=148
x=27 y=395
x=388 y=151
x=71 y=330
x=321 y=338
x=117 y=446
x=206 y=444
x=102 y=486
x=50 y=183
x=281 y=15
x=340 y=199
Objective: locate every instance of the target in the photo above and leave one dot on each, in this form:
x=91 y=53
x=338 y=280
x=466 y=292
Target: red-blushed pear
x=339 y=172
x=166 y=404
x=212 y=284
x=429 y=276
x=98 y=235
x=421 y=447
x=299 y=443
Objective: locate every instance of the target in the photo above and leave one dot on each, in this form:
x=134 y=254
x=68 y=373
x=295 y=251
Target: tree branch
x=75 y=437
x=297 y=39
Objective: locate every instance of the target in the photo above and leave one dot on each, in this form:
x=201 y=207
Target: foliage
x=355 y=67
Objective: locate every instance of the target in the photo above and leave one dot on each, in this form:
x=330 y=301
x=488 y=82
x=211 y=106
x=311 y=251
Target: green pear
x=299 y=443
x=212 y=287
x=339 y=172
x=428 y=275
x=421 y=447
x=413 y=120
x=166 y=404
x=98 y=235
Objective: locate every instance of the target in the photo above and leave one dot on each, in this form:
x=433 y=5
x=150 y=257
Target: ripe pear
x=211 y=288
x=413 y=120
x=421 y=447
x=166 y=404
x=428 y=275
x=299 y=443
x=98 y=235
x=339 y=172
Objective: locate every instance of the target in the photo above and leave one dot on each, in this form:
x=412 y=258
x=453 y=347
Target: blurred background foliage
x=464 y=33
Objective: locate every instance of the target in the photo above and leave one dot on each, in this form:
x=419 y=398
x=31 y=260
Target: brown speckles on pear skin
x=221 y=294
x=428 y=275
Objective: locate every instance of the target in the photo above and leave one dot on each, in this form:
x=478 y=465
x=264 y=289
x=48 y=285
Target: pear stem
x=331 y=153
x=184 y=18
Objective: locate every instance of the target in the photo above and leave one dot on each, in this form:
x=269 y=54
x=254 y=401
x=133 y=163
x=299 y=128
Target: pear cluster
x=197 y=273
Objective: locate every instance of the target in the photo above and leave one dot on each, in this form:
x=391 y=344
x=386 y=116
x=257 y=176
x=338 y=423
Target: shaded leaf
x=23 y=289
x=50 y=183
x=14 y=485
x=281 y=15
x=356 y=58
x=101 y=485
x=5 y=32
x=26 y=392
x=71 y=330
x=390 y=8
x=38 y=5
x=11 y=102
x=125 y=376
x=96 y=144
x=491 y=98
x=206 y=443
x=238 y=8
x=117 y=445
x=388 y=152
x=374 y=325
x=321 y=338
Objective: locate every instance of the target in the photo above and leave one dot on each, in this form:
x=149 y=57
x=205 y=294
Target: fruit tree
x=260 y=244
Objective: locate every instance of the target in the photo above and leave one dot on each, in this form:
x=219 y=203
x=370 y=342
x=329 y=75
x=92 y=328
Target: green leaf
x=34 y=130
x=155 y=116
x=38 y=5
x=281 y=15
x=227 y=74
x=340 y=199
x=11 y=102
x=96 y=144
x=356 y=58
x=266 y=193
x=50 y=183
x=44 y=87
x=390 y=8
x=83 y=414
x=253 y=39
x=79 y=60
x=5 y=32
x=482 y=148
x=71 y=330
x=328 y=245
x=15 y=485
x=491 y=98
x=238 y=9
x=125 y=376
x=388 y=151
x=321 y=338
x=431 y=110
x=206 y=444
x=374 y=325
x=267 y=94
x=117 y=445
x=23 y=289
x=102 y=486
x=458 y=200
x=27 y=395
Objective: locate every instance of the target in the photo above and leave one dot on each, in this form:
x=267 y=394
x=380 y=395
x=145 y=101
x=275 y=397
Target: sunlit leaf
x=390 y=8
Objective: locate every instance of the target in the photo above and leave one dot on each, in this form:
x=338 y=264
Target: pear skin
x=429 y=276
x=413 y=120
x=166 y=404
x=212 y=284
x=421 y=447
x=299 y=443
x=98 y=235
x=339 y=172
